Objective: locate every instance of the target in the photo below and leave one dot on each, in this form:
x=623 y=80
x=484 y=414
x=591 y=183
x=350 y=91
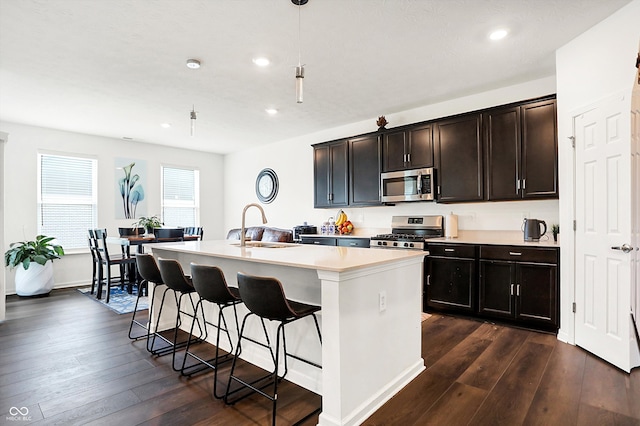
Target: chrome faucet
x=244 y=211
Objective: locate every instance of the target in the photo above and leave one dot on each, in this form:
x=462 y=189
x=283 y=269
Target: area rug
x=119 y=300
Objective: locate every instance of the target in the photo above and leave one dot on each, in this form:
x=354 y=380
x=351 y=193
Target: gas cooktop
x=409 y=232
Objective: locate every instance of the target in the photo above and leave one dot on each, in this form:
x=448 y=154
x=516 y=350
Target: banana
x=342 y=218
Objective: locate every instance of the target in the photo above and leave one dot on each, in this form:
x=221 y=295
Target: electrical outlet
x=382 y=301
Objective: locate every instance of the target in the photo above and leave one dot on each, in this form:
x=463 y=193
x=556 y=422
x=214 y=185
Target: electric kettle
x=531 y=228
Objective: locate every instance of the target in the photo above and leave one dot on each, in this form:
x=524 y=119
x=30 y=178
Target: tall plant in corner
x=33 y=260
x=132 y=193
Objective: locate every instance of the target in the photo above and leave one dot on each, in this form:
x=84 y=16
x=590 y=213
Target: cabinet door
x=353 y=242
x=496 y=297
x=420 y=147
x=459 y=161
x=319 y=241
x=364 y=171
x=539 y=150
x=339 y=194
x=502 y=150
x=536 y=293
x=451 y=284
x=321 y=171
x=393 y=151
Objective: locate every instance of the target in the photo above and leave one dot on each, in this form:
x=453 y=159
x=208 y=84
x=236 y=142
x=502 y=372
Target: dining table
x=138 y=241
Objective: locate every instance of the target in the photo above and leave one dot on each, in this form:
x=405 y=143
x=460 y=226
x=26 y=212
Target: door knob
x=626 y=248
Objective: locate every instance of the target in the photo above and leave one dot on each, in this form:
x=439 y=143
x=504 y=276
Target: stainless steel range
x=409 y=232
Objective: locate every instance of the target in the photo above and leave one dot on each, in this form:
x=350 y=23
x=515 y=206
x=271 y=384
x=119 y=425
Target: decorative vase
x=35 y=281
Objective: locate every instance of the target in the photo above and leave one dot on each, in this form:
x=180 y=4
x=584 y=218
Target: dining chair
x=164 y=235
x=194 y=231
x=93 y=248
x=107 y=261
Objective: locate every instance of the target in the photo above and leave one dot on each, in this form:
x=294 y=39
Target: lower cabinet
x=520 y=284
x=336 y=241
x=450 y=272
x=513 y=283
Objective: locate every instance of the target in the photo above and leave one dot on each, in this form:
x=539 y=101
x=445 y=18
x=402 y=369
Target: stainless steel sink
x=262 y=244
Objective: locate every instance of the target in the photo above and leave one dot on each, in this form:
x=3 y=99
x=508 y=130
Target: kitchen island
x=370 y=318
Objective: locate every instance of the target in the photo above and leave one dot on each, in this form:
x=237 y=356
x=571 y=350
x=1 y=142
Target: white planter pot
x=38 y=279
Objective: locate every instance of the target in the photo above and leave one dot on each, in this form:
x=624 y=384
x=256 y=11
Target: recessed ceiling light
x=165 y=125
x=261 y=61
x=271 y=111
x=194 y=64
x=498 y=34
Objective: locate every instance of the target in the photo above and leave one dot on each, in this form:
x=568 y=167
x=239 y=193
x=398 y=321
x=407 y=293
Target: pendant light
x=193 y=117
x=300 y=67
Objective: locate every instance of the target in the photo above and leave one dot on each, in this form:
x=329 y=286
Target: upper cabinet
x=508 y=152
x=364 y=170
x=331 y=180
x=347 y=172
x=459 y=161
x=521 y=151
x=411 y=148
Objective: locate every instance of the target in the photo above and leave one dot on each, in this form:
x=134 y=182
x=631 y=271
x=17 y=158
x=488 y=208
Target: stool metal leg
x=200 y=338
x=272 y=375
x=146 y=326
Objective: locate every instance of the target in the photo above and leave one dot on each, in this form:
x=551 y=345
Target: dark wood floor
x=69 y=361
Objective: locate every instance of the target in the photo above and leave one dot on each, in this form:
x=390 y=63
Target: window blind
x=180 y=188
x=67 y=204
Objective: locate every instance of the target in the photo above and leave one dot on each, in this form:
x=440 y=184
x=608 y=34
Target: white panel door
x=603 y=219
x=635 y=157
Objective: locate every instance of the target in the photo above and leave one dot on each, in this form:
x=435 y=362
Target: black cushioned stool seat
x=211 y=285
x=265 y=298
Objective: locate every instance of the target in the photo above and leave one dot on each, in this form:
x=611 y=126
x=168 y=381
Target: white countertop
x=512 y=238
x=327 y=258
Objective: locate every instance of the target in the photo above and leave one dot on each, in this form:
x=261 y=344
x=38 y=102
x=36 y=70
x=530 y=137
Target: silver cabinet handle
x=429 y=279
x=512 y=289
x=515 y=253
x=517 y=184
x=524 y=184
x=518 y=290
x=626 y=248
x=448 y=249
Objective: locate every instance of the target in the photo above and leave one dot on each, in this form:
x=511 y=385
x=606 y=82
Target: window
x=67 y=198
x=180 y=201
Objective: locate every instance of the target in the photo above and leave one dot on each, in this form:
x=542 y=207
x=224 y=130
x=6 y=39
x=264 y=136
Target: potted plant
x=555 y=230
x=149 y=223
x=34 y=263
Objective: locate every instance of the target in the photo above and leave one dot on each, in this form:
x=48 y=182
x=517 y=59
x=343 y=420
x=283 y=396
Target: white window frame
x=65 y=199
x=164 y=203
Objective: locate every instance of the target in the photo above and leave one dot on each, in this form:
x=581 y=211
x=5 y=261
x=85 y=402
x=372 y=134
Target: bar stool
x=149 y=273
x=265 y=298
x=175 y=279
x=212 y=287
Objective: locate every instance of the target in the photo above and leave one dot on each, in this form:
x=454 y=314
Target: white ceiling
x=117 y=68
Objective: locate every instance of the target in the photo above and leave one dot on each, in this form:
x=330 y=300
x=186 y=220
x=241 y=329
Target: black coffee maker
x=531 y=229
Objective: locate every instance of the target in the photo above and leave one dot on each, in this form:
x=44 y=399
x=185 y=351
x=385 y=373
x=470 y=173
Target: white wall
x=293 y=162
x=596 y=64
x=3 y=139
x=20 y=187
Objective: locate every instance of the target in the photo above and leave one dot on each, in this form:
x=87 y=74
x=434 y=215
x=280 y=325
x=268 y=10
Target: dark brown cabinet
x=364 y=170
x=336 y=241
x=410 y=148
x=520 y=284
x=331 y=179
x=451 y=277
x=458 y=158
x=521 y=151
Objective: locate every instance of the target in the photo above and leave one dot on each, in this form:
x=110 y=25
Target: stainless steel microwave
x=407 y=185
